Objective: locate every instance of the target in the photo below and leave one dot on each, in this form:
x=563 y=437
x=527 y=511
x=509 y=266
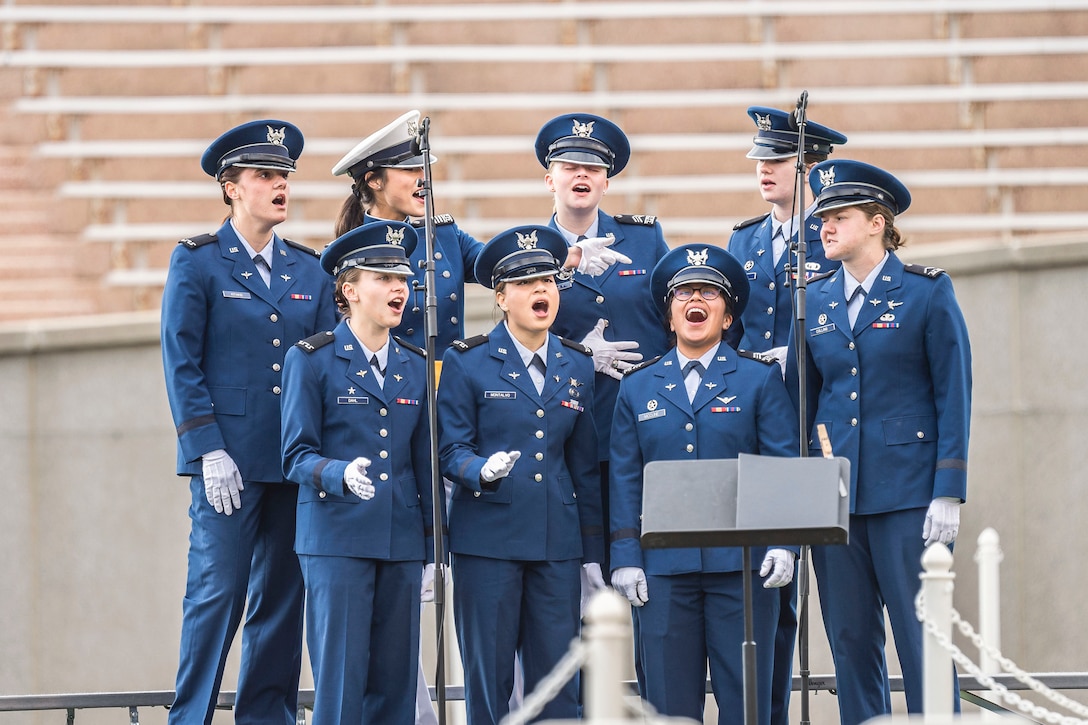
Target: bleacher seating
x=976 y=104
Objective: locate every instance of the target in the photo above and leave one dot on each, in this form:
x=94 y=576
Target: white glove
x=630 y=581
x=779 y=564
x=942 y=521
x=779 y=354
x=609 y=357
x=426 y=591
x=597 y=257
x=222 y=481
x=498 y=465
x=356 y=480
x=593 y=576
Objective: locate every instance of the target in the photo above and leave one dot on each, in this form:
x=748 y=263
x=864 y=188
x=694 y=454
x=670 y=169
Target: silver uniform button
x=540 y=413
x=770 y=286
x=453 y=296
x=476 y=494
x=383 y=477
x=276 y=389
x=921 y=434
x=276 y=342
x=383 y=454
x=276 y=367
x=539 y=456
x=438 y=255
x=600 y=299
x=538 y=478
x=851 y=345
x=767 y=335
x=322 y=495
x=453 y=320
x=690 y=448
x=853 y=371
x=274 y=317
x=446 y=274
x=383 y=433
x=383 y=412
x=853 y=421
x=689 y=426
x=770 y=310
x=854 y=395
x=411 y=330
x=540 y=434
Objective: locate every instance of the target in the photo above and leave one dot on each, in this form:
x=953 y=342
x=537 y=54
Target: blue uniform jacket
x=333 y=412
x=455 y=255
x=224 y=335
x=768 y=318
x=741 y=407
x=622 y=296
x=894 y=392
x=549 y=507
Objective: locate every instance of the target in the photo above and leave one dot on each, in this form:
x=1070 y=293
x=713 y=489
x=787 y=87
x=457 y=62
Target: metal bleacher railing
x=44 y=68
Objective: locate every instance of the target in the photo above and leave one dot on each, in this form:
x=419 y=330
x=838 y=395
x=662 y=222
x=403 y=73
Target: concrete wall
x=94 y=527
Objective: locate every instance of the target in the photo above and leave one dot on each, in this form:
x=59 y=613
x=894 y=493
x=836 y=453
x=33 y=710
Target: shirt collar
x=266 y=252
x=849 y=284
x=525 y=353
x=571 y=237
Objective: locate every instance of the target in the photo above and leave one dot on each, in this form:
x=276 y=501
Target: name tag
x=352 y=400
x=500 y=394
x=822 y=329
x=659 y=413
x=230 y=295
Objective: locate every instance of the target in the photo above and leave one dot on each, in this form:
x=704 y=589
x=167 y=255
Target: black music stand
x=748 y=501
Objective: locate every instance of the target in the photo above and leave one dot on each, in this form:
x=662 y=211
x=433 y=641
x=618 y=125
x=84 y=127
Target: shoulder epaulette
x=761 y=356
x=643 y=364
x=645 y=220
x=414 y=348
x=576 y=346
x=199 y=240
x=750 y=222
x=822 y=275
x=301 y=247
x=462 y=345
x=439 y=220
x=931 y=272
x=313 y=342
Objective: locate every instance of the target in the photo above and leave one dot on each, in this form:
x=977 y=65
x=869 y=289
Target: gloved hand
x=356 y=480
x=779 y=354
x=942 y=521
x=499 y=465
x=222 y=481
x=609 y=357
x=597 y=257
x=779 y=564
x=593 y=576
x=630 y=581
x=426 y=591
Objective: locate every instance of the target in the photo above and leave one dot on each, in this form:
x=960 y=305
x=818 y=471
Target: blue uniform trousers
x=692 y=617
x=504 y=606
x=879 y=568
x=362 y=628
x=785 y=638
x=250 y=548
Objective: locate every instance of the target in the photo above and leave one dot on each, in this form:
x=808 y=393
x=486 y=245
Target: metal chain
x=549 y=687
x=1011 y=698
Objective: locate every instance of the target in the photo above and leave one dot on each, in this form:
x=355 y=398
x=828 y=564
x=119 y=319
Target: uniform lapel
x=876 y=302
x=556 y=377
x=244 y=271
x=283 y=263
x=396 y=371
x=356 y=366
x=671 y=381
x=833 y=307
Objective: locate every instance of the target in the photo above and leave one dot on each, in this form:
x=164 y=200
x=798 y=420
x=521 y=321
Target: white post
x=988 y=556
x=608 y=636
x=937 y=585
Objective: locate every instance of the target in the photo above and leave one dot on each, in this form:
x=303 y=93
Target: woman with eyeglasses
x=700 y=400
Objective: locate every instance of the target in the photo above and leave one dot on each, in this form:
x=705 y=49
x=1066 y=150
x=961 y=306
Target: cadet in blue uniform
x=518 y=440
x=609 y=310
x=889 y=376
x=701 y=400
x=234 y=302
x=767 y=323
x=355 y=439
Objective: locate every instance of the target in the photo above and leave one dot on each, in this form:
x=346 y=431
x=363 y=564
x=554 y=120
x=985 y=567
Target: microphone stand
x=800 y=345
x=438 y=489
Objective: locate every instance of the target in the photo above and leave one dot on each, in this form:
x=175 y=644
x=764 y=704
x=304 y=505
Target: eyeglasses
x=685 y=293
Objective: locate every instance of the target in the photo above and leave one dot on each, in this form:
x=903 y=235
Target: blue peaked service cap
x=582 y=138
x=381 y=246
x=521 y=252
x=700 y=263
x=266 y=144
x=777 y=135
x=836 y=184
